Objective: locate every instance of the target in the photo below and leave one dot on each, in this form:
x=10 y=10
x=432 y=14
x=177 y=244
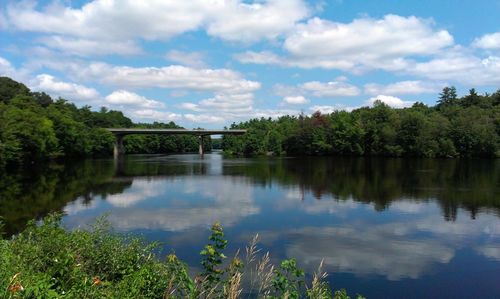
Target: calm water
x=386 y=228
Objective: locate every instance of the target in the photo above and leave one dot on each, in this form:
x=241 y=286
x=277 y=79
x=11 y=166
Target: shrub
x=45 y=260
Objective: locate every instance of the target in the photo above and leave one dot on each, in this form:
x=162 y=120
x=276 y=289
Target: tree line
x=466 y=126
x=34 y=127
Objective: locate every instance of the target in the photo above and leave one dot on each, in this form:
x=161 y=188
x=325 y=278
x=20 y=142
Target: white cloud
x=174 y=76
x=460 y=66
x=70 y=91
x=126 y=98
x=190 y=106
x=296 y=94
x=327 y=109
x=6 y=68
x=404 y=87
x=363 y=44
x=264 y=57
x=250 y=22
x=391 y=36
x=330 y=89
x=191 y=59
x=394 y=102
x=295 y=100
x=283 y=90
x=104 y=20
x=230 y=102
x=488 y=41
x=88 y=47
x=154 y=115
x=204 y=118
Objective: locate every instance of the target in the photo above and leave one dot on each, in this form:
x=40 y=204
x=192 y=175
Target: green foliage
x=213 y=256
x=288 y=279
x=10 y=88
x=34 y=127
x=455 y=127
x=46 y=261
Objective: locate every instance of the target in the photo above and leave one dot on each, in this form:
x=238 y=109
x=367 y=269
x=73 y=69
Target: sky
x=209 y=63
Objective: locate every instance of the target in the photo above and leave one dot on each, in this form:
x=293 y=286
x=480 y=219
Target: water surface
x=385 y=228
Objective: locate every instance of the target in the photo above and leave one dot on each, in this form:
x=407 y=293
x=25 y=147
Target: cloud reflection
x=211 y=199
x=141 y=190
x=395 y=250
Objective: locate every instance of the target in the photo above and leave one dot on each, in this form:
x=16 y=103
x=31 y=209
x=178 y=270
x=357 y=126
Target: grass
x=47 y=261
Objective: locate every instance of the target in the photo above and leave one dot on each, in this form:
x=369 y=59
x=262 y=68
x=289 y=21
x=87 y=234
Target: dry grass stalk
x=234 y=289
x=264 y=270
x=318 y=289
x=170 y=290
x=252 y=250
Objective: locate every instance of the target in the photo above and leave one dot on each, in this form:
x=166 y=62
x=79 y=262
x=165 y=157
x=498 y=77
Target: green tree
x=447 y=97
x=10 y=88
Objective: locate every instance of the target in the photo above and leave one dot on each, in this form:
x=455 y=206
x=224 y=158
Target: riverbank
x=45 y=260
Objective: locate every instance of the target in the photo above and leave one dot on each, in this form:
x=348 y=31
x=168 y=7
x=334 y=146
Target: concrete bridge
x=119 y=133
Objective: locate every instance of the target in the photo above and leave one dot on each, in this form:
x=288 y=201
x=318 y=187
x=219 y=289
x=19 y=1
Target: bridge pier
x=200 y=147
x=118 y=149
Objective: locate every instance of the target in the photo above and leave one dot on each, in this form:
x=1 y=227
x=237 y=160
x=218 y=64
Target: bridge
x=119 y=133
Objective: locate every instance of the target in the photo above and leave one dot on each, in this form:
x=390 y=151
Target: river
x=385 y=228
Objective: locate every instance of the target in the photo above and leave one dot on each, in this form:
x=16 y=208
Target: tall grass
x=47 y=261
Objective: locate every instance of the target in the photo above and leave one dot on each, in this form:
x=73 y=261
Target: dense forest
x=34 y=127
x=456 y=127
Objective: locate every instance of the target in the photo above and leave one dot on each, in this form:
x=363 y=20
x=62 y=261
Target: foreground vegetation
x=455 y=127
x=46 y=261
x=35 y=127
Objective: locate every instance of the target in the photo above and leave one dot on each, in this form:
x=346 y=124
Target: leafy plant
x=47 y=261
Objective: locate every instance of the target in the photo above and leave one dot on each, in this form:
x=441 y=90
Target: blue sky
x=211 y=62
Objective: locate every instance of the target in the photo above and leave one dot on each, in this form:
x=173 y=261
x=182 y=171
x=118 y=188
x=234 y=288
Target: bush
x=47 y=261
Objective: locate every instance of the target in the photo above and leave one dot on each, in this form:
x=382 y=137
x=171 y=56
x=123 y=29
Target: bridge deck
x=122 y=131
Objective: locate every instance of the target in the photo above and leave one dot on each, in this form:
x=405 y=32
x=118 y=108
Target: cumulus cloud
x=204 y=118
x=174 y=76
x=126 y=98
x=295 y=100
x=250 y=22
x=140 y=108
x=88 y=47
x=404 y=87
x=155 y=115
x=364 y=43
x=297 y=94
x=461 y=66
x=330 y=89
x=6 y=68
x=112 y=21
x=191 y=59
x=71 y=91
x=488 y=41
x=394 y=102
x=327 y=109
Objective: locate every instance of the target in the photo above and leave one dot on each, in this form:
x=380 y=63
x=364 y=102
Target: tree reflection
x=469 y=184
